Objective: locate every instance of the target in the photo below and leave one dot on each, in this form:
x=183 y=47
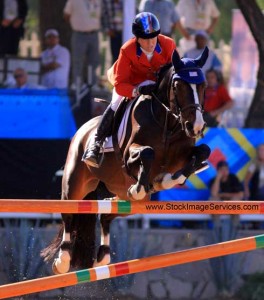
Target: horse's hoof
x=105 y=261
x=60 y=267
x=54 y=269
x=103 y=256
x=136 y=191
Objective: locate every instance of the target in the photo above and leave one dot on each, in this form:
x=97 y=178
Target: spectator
x=254 y=180
x=226 y=185
x=21 y=81
x=201 y=40
x=12 y=17
x=55 y=62
x=113 y=24
x=85 y=21
x=217 y=99
x=198 y=15
x=167 y=15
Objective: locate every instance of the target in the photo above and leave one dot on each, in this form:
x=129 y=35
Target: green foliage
x=260 y=3
x=253 y=289
x=32 y=21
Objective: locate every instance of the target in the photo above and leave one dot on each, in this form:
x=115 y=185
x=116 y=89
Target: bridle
x=175 y=106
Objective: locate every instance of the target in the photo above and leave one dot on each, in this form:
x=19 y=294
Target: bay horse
x=158 y=152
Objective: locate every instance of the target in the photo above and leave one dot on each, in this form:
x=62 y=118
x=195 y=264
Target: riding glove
x=147 y=89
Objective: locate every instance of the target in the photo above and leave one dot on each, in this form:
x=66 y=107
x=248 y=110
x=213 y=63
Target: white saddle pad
x=108 y=146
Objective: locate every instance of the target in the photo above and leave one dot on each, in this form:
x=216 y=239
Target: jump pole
x=132 y=266
x=130 y=207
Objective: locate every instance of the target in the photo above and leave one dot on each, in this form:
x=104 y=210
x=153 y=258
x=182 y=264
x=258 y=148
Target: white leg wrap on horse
x=166 y=182
x=66 y=237
x=137 y=192
x=62 y=263
x=107 y=240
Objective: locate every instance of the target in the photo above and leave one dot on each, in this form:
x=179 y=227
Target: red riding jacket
x=132 y=66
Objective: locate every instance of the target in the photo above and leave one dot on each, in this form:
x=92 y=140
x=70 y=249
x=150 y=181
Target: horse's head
x=187 y=92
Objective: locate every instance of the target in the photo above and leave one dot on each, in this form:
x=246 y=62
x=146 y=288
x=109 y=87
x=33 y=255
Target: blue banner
x=36 y=114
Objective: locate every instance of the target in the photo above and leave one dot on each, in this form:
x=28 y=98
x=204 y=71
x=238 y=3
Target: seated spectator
x=226 y=185
x=201 y=40
x=254 y=179
x=21 y=81
x=167 y=15
x=55 y=62
x=198 y=15
x=217 y=99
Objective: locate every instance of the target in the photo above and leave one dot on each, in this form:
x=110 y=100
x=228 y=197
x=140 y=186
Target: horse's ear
x=200 y=61
x=176 y=60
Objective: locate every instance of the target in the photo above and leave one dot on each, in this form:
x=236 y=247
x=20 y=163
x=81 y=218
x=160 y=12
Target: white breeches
x=116 y=99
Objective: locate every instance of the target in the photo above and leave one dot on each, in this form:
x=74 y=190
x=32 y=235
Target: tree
x=254 y=17
x=51 y=16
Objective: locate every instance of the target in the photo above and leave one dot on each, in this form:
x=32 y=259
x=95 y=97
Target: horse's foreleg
x=197 y=164
x=62 y=263
x=103 y=254
x=140 y=161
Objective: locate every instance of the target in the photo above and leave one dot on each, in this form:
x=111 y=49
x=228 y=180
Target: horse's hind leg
x=139 y=164
x=103 y=254
x=62 y=263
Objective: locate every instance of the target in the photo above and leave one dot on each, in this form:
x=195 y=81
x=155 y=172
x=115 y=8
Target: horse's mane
x=162 y=72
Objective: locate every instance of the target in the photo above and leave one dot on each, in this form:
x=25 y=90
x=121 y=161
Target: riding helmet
x=146 y=26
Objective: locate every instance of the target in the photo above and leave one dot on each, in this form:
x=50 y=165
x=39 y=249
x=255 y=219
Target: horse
x=158 y=153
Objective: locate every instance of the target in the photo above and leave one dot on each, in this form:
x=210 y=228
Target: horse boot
x=92 y=155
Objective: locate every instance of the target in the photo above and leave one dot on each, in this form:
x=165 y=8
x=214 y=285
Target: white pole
x=128 y=17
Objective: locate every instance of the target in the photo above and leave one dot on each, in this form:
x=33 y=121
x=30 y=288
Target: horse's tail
x=49 y=252
x=83 y=240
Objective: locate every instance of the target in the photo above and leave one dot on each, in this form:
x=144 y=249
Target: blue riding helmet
x=146 y=26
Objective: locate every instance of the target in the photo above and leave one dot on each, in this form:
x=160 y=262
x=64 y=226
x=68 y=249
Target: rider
x=133 y=74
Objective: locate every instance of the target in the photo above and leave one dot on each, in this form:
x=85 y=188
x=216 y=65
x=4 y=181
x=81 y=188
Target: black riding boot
x=92 y=155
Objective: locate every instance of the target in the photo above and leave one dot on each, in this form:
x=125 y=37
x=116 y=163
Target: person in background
x=112 y=12
x=12 y=18
x=167 y=15
x=198 y=15
x=226 y=185
x=85 y=20
x=21 y=81
x=201 y=41
x=254 y=179
x=217 y=99
x=133 y=74
x=55 y=62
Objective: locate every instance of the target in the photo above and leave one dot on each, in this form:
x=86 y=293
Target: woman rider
x=133 y=74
